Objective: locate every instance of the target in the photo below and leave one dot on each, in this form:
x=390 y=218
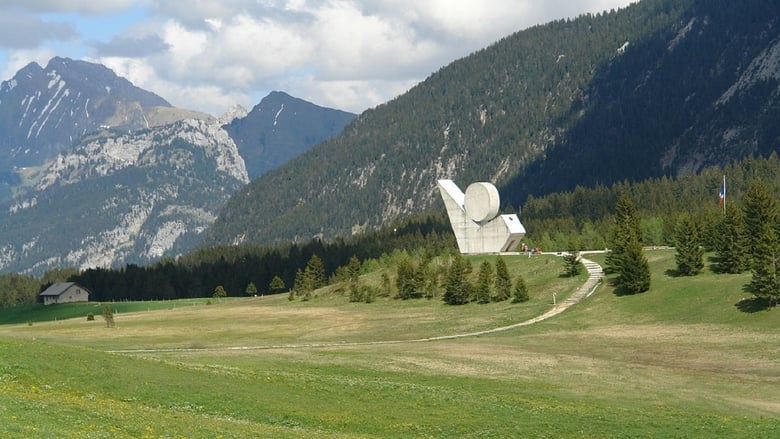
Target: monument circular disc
x=481 y=201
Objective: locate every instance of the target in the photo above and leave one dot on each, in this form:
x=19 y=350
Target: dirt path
x=595 y=274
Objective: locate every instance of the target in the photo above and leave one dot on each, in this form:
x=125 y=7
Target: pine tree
x=634 y=276
x=731 y=242
x=219 y=292
x=405 y=280
x=762 y=223
x=484 y=282
x=386 y=285
x=690 y=254
x=301 y=284
x=521 y=291
x=251 y=289
x=503 y=282
x=626 y=257
x=457 y=290
x=276 y=285
x=315 y=271
x=571 y=260
x=353 y=273
x=624 y=231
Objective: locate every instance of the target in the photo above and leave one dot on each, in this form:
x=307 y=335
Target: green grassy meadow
x=685 y=359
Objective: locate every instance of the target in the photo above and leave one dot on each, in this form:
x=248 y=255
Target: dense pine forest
x=575 y=220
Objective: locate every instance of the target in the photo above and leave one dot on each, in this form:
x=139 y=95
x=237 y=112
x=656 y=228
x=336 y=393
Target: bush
x=90 y=317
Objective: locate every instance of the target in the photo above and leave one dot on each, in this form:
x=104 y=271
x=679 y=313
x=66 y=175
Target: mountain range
x=280 y=127
x=99 y=173
x=661 y=87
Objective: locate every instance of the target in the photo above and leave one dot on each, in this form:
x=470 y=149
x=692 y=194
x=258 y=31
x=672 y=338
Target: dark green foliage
x=571 y=264
x=731 y=241
x=18 y=289
x=386 y=285
x=690 y=253
x=276 y=285
x=356 y=293
x=484 y=288
x=90 y=317
x=521 y=291
x=457 y=290
x=301 y=284
x=405 y=280
x=626 y=257
x=198 y=273
x=625 y=232
x=503 y=282
x=588 y=213
x=634 y=275
x=315 y=273
x=251 y=289
x=762 y=223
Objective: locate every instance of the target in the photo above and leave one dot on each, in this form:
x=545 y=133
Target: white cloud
x=17 y=59
x=348 y=54
x=71 y=6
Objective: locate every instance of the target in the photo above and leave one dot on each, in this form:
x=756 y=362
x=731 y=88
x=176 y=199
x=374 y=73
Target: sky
x=209 y=55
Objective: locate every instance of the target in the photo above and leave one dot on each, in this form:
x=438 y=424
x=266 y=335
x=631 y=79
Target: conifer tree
x=405 y=280
x=690 y=254
x=386 y=285
x=503 y=282
x=484 y=287
x=521 y=291
x=624 y=233
x=251 y=289
x=457 y=290
x=276 y=285
x=353 y=274
x=762 y=223
x=301 y=284
x=626 y=257
x=219 y=292
x=731 y=242
x=315 y=271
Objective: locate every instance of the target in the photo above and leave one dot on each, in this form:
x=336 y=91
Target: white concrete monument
x=474 y=217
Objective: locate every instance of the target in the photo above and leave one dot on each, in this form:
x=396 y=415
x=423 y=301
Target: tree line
x=681 y=212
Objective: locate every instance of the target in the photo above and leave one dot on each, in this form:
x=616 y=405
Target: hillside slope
x=704 y=92
x=484 y=117
x=660 y=87
x=123 y=198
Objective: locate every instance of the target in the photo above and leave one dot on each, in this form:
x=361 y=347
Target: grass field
x=682 y=360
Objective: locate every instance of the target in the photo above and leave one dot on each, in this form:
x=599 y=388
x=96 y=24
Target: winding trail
x=595 y=275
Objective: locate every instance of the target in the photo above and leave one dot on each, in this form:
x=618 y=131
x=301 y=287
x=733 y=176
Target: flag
x=722 y=194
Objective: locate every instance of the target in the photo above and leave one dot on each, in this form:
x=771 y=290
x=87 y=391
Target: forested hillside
x=659 y=88
x=684 y=98
x=480 y=118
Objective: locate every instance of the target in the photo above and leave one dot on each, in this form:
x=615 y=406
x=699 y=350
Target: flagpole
x=724 y=194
